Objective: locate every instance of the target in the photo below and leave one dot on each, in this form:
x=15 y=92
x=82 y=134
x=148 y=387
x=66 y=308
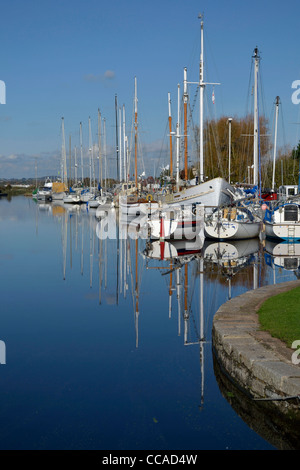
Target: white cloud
x=106 y=76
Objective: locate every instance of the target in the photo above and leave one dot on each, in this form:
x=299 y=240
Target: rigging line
x=216 y=140
x=215 y=66
x=163 y=148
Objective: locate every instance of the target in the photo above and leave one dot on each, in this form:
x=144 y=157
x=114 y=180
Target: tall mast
x=185 y=101
x=202 y=85
x=255 y=145
x=229 y=150
x=81 y=151
x=75 y=157
x=124 y=147
x=170 y=130
x=121 y=143
x=99 y=150
x=275 y=141
x=64 y=155
x=90 y=151
x=70 y=162
x=178 y=136
x=105 y=162
x=135 y=131
x=117 y=142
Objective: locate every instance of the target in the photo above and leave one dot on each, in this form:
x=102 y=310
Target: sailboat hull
x=211 y=194
x=283 y=231
x=232 y=230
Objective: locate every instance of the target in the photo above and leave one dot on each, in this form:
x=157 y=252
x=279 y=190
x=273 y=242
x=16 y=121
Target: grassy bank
x=280 y=315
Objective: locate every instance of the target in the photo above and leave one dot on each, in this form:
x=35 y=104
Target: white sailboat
x=212 y=193
x=283 y=221
x=176 y=223
x=131 y=202
x=45 y=194
x=232 y=223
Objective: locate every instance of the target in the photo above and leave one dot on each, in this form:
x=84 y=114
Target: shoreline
x=259 y=364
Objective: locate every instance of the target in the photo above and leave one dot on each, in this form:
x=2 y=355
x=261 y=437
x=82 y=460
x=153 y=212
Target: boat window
x=291 y=192
x=291 y=263
x=291 y=213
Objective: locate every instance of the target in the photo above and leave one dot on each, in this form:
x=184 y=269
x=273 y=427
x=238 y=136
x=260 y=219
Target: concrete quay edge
x=257 y=362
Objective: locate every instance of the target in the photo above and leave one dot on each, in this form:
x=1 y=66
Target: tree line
x=216 y=152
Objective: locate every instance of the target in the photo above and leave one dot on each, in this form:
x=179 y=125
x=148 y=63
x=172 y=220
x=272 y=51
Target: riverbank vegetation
x=216 y=152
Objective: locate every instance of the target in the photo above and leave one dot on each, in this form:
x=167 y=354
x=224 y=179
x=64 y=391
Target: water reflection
x=156 y=300
x=284 y=255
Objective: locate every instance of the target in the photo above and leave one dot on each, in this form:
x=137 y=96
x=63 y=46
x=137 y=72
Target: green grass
x=280 y=316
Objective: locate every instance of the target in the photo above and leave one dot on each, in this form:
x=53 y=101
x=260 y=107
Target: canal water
x=108 y=339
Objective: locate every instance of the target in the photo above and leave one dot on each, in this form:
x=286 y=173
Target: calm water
x=102 y=345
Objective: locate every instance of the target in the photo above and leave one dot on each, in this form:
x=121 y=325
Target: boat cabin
x=287 y=191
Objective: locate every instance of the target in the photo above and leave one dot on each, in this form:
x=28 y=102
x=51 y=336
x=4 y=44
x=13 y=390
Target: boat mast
x=185 y=101
x=178 y=137
x=75 y=157
x=255 y=148
x=277 y=102
x=229 y=150
x=121 y=143
x=81 y=151
x=117 y=144
x=124 y=147
x=70 y=162
x=170 y=129
x=202 y=86
x=105 y=159
x=135 y=132
x=64 y=155
x=90 y=151
x=99 y=151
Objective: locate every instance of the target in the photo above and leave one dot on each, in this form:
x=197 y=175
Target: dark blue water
x=95 y=356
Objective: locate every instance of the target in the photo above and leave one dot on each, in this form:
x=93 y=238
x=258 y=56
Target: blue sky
x=69 y=58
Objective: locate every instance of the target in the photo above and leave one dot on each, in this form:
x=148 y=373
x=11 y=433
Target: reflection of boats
x=235 y=253
x=170 y=250
x=284 y=255
x=283 y=221
x=232 y=223
x=232 y=257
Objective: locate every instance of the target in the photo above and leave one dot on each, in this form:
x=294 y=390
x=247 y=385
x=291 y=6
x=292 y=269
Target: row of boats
x=246 y=215
x=185 y=208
